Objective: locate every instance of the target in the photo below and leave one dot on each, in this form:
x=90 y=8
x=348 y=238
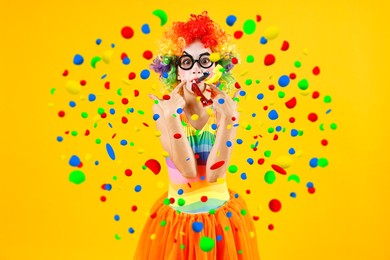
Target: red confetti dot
x=237 y=85
x=315 y=94
x=177 y=136
x=103 y=186
x=311 y=190
x=166 y=97
x=172 y=200
x=271 y=227
x=145 y=124
x=125 y=101
x=324 y=142
x=147 y=55
x=127 y=32
x=65 y=73
x=83 y=82
x=154 y=215
x=132 y=75
x=293 y=76
x=269 y=60
x=233 y=118
x=107 y=85
x=113 y=136
x=291 y=103
x=203 y=198
x=285 y=46
x=271 y=87
x=123 y=55
x=256 y=218
x=153 y=165
x=134 y=208
x=255 y=149
x=136 y=93
x=103 y=198
x=258 y=18
x=291 y=119
x=265 y=107
x=238 y=34
x=197 y=156
x=234 y=60
x=128 y=172
x=217 y=165
x=276 y=137
x=61 y=113
x=261 y=161
x=312 y=117
x=66 y=132
x=278 y=169
x=189 y=184
x=316 y=70
x=80 y=165
x=248 y=191
x=124 y=120
x=87 y=132
x=275 y=205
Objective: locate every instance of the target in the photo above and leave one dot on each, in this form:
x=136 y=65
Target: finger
x=179 y=86
x=236 y=94
x=154 y=97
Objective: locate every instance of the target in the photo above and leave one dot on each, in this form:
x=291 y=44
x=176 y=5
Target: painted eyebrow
x=186 y=53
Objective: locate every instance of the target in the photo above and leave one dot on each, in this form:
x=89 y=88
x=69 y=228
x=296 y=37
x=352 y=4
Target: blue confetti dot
x=91 y=97
x=197 y=226
x=294 y=132
x=239 y=141
x=283 y=81
x=112 y=45
x=180 y=191
x=156 y=116
x=328 y=111
x=179 y=110
x=104 y=76
x=273 y=115
x=243 y=176
x=131 y=230
x=214 y=126
x=250 y=161
x=116 y=217
x=78 y=59
x=98 y=41
x=309 y=185
x=293 y=195
x=221 y=101
x=242 y=93
x=145 y=74
x=229 y=214
x=137 y=188
x=108 y=187
x=202 y=178
x=123 y=142
x=131 y=110
x=60 y=138
x=313 y=162
x=96 y=163
x=229 y=143
x=231 y=19
x=126 y=61
x=219 y=237
x=145 y=28
x=278 y=128
x=74 y=161
x=263 y=40
x=72 y=104
x=110 y=151
x=291 y=151
x=253 y=114
x=112 y=111
x=110 y=125
x=165 y=75
x=260 y=96
x=236 y=195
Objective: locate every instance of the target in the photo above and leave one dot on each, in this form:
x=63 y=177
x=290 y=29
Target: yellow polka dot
x=215 y=56
x=141 y=151
x=195 y=117
x=136 y=129
x=209 y=111
x=153 y=237
x=157 y=133
x=165 y=153
x=252 y=234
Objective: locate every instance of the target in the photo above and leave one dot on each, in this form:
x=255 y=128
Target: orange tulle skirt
x=228 y=234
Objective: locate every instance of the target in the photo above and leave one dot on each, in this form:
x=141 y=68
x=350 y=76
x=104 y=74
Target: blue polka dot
x=126 y=60
x=242 y=93
x=104 y=76
x=253 y=114
x=145 y=28
x=291 y=151
x=91 y=97
x=309 y=185
x=243 y=176
x=180 y=191
x=239 y=141
x=108 y=187
x=219 y=237
x=273 y=115
x=278 y=128
x=250 y=161
x=117 y=218
x=72 y=104
x=112 y=45
x=131 y=110
x=110 y=125
x=96 y=163
x=231 y=19
x=165 y=75
x=293 y=195
x=284 y=81
x=229 y=214
x=260 y=96
x=294 y=132
x=98 y=41
x=123 y=142
x=236 y=195
x=229 y=143
x=110 y=151
x=156 y=116
x=221 y=101
x=328 y=111
x=202 y=178
x=214 y=126
x=131 y=230
x=78 y=59
x=112 y=111
x=197 y=226
x=313 y=162
x=137 y=188
x=179 y=110
x=60 y=138
x=263 y=40
x=145 y=74
x=74 y=161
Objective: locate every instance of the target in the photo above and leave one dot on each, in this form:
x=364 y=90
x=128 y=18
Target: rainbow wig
x=198 y=27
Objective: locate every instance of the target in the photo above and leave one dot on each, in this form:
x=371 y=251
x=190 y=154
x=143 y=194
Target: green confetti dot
x=167 y=201
x=95 y=125
x=144 y=167
x=131 y=143
x=206 y=244
x=163 y=223
x=248 y=82
x=156 y=101
x=111 y=102
x=233 y=168
x=100 y=111
x=281 y=94
x=182 y=246
x=117 y=237
x=303 y=84
x=239 y=252
x=327 y=99
x=322 y=128
x=257 y=81
x=141 y=112
x=297 y=64
x=119 y=91
x=249 y=26
x=270 y=177
x=248 y=127
x=227 y=228
x=300 y=132
x=74 y=133
x=267 y=153
x=333 y=126
x=271 y=130
x=77 y=177
x=52 y=91
x=98 y=141
x=323 y=162
x=114 y=178
x=84 y=115
x=212 y=211
x=250 y=59
x=243 y=212
x=181 y=202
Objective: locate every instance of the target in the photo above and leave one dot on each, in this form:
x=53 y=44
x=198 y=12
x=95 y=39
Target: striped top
x=197 y=195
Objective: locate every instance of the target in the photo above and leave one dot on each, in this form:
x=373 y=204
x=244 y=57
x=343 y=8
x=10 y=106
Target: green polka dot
x=239 y=252
x=167 y=201
x=206 y=244
x=117 y=237
x=212 y=211
x=227 y=228
x=141 y=112
x=243 y=212
x=249 y=26
x=322 y=127
x=297 y=64
x=77 y=177
x=257 y=81
x=303 y=84
x=323 y=162
x=333 y=126
x=327 y=99
x=74 y=133
x=300 y=132
x=233 y=168
x=182 y=246
x=100 y=111
x=163 y=223
x=250 y=59
x=84 y=115
x=156 y=101
x=98 y=141
x=248 y=127
x=270 y=177
x=114 y=178
x=248 y=82
x=111 y=102
x=144 y=167
x=281 y=94
x=267 y=153
x=181 y=202
x=131 y=143
x=271 y=130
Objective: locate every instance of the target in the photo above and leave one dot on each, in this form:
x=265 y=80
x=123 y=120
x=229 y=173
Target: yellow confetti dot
x=220 y=180
x=51 y=104
x=141 y=151
x=107 y=56
x=229 y=126
x=252 y=234
x=136 y=129
x=209 y=111
x=284 y=161
x=73 y=87
x=153 y=237
x=126 y=81
x=298 y=153
x=244 y=73
x=215 y=56
x=271 y=32
x=157 y=133
x=197 y=99
x=165 y=153
x=182 y=233
x=195 y=117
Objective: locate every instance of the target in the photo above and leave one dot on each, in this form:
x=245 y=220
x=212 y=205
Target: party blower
x=216 y=75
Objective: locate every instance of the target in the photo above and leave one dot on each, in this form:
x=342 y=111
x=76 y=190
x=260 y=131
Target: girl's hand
x=225 y=107
x=169 y=106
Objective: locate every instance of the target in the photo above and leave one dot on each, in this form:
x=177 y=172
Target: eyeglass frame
x=194 y=61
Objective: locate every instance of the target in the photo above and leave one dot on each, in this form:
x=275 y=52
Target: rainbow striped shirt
x=197 y=195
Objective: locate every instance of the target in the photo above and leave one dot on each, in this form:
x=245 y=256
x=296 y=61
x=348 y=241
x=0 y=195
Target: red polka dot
x=166 y=97
x=285 y=46
x=123 y=55
x=154 y=215
x=103 y=198
x=271 y=87
x=124 y=120
x=269 y=59
x=256 y=218
x=132 y=75
x=177 y=136
x=238 y=34
x=83 y=82
x=153 y=165
x=237 y=85
x=316 y=94
x=316 y=70
x=61 y=113
x=217 y=165
x=324 y=142
x=265 y=107
x=104 y=115
x=127 y=32
x=271 y=227
x=113 y=136
x=248 y=191
x=145 y=124
x=125 y=101
x=261 y=161
x=65 y=73
x=311 y=190
x=275 y=137
x=312 y=117
x=291 y=119
x=134 y=208
x=136 y=93
x=86 y=132
x=203 y=198
x=172 y=200
x=293 y=76
x=233 y=118
x=275 y=205
x=234 y=60
x=291 y=103
x=258 y=18
x=197 y=156
x=128 y=172
x=147 y=55
x=107 y=85
x=278 y=169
